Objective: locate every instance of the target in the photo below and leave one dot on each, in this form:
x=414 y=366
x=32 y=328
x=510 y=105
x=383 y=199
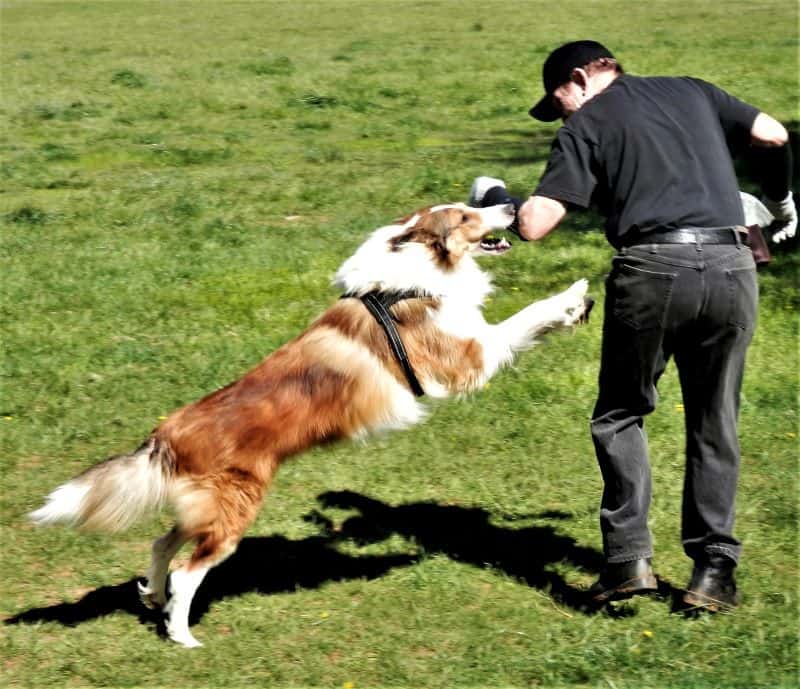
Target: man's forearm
x=772 y=156
x=539 y=216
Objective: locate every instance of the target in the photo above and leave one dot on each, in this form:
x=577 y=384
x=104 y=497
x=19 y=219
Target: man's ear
x=580 y=76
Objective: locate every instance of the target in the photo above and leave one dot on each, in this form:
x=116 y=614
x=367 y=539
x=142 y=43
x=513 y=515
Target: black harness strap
x=377 y=304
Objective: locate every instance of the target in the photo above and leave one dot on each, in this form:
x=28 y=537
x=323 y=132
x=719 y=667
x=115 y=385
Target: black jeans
x=698 y=304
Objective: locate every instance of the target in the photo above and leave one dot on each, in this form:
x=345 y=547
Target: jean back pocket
x=638 y=297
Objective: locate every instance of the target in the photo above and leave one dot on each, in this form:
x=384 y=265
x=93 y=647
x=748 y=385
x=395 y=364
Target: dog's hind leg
x=183 y=584
x=228 y=504
x=153 y=592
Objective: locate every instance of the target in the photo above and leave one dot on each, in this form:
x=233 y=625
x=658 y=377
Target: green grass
x=179 y=183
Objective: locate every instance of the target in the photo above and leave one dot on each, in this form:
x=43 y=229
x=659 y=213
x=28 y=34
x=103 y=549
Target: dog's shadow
x=468 y=535
x=274 y=564
x=263 y=564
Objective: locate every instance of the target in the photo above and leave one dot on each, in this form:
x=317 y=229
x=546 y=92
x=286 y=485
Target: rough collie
x=349 y=374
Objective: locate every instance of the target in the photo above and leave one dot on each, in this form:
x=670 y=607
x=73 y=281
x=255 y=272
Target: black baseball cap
x=557 y=70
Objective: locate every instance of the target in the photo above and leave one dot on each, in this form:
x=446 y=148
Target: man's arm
x=539 y=215
x=768 y=132
x=772 y=156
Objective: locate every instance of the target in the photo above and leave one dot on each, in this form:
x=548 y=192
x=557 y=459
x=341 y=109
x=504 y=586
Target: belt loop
x=698 y=240
x=737 y=235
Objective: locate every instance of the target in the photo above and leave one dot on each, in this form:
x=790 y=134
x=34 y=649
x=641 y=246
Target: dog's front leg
x=521 y=330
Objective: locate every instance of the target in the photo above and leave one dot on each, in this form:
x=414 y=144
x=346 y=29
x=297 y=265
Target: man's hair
x=603 y=64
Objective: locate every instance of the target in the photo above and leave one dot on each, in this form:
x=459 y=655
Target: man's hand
x=490 y=191
x=479 y=188
x=785 y=213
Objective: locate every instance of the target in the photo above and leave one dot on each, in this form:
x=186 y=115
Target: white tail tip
x=64 y=505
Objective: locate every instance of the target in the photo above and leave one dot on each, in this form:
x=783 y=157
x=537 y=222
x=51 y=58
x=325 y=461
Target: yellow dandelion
x=324 y=615
x=788 y=435
x=679 y=407
x=348 y=685
x=162 y=417
x=647 y=634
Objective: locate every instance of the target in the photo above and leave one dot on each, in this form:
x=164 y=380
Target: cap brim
x=544 y=110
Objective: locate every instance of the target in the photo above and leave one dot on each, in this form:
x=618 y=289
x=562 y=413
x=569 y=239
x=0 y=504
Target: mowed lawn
x=178 y=183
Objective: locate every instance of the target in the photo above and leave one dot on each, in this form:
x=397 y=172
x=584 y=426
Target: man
x=652 y=155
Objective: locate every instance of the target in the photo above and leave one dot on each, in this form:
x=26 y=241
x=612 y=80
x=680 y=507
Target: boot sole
x=628 y=589
x=694 y=599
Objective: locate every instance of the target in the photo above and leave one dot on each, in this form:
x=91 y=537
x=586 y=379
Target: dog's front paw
x=579 y=288
x=576 y=304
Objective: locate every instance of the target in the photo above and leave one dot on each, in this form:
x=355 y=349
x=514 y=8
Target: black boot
x=712 y=586
x=622 y=580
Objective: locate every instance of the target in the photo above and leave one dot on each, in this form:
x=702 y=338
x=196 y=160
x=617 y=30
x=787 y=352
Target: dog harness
x=378 y=304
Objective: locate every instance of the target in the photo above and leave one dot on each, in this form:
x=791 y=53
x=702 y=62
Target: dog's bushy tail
x=111 y=495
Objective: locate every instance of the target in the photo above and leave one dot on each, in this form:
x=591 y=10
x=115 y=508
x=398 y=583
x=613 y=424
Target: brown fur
x=226 y=447
x=447 y=233
x=214 y=459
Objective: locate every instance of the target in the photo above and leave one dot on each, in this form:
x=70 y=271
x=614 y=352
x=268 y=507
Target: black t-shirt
x=652 y=153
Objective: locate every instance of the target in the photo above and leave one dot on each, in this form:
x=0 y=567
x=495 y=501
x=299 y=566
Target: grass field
x=180 y=181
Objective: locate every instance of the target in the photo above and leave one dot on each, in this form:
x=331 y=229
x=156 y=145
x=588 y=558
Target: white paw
x=185 y=639
x=576 y=303
x=151 y=599
x=579 y=288
x=573 y=316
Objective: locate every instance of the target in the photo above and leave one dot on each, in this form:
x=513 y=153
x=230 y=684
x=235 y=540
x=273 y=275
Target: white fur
x=107 y=498
x=461 y=291
x=183 y=584
x=62 y=506
x=375 y=267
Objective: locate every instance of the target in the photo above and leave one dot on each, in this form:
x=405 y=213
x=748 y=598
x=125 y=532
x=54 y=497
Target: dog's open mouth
x=494 y=245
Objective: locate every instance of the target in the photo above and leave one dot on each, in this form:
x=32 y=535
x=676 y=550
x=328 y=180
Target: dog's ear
x=439 y=232
x=450 y=241
x=456 y=245
x=439 y=226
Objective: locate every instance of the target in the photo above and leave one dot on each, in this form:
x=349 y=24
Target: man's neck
x=600 y=81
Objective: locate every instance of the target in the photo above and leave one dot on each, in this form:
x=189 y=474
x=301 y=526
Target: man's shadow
x=274 y=564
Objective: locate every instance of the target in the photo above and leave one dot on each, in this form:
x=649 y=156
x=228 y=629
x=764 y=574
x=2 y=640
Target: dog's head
x=430 y=251
x=453 y=231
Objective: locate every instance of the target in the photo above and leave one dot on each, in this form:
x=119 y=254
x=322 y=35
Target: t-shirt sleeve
x=735 y=116
x=569 y=175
